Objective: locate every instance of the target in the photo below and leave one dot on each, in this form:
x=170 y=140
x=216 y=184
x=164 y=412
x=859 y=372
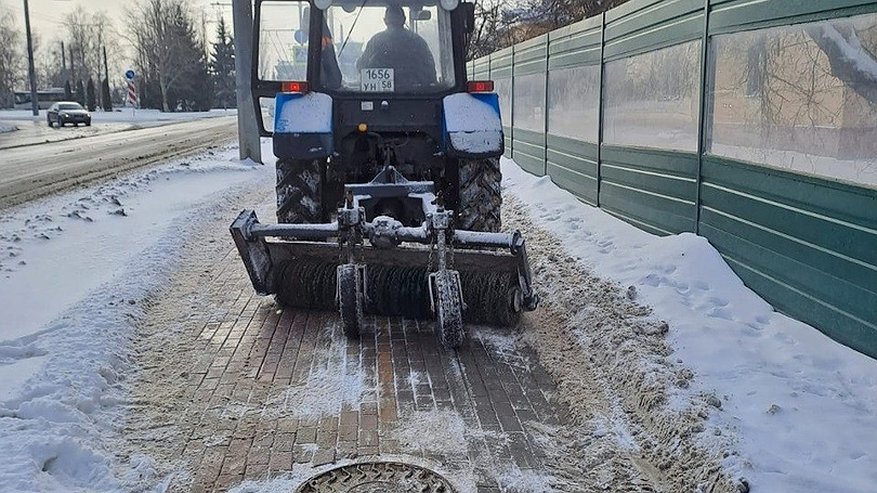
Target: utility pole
x=248 y=129
x=63 y=62
x=106 y=67
x=107 y=102
x=31 y=73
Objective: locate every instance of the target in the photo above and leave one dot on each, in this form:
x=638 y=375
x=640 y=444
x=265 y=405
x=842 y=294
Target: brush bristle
x=397 y=291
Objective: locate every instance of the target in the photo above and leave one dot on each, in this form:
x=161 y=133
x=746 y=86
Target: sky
x=46 y=16
x=47 y=21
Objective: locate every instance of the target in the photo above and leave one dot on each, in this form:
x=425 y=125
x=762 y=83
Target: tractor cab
x=365 y=54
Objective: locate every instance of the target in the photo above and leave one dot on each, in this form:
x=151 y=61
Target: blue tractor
x=388 y=175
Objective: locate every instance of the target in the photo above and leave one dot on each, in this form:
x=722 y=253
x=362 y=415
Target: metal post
x=600 y=99
x=512 y=105
x=248 y=130
x=34 y=104
x=705 y=78
x=545 y=108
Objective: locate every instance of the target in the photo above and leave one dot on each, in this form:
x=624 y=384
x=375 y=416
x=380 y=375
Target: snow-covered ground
x=75 y=269
x=6 y=128
x=802 y=407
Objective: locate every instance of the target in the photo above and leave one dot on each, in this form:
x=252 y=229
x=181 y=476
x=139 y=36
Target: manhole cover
x=377 y=477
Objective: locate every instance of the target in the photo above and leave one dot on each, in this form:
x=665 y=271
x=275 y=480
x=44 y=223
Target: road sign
x=132 y=92
x=130 y=75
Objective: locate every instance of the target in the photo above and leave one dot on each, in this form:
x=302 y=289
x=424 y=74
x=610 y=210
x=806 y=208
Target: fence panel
x=500 y=64
x=528 y=99
x=789 y=182
x=784 y=112
x=639 y=26
x=738 y=15
x=481 y=69
x=651 y=95
x=574 y=73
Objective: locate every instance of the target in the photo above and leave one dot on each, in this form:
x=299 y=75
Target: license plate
x=377 y=80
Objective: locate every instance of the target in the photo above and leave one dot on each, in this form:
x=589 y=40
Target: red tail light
x=479 y=86
x=294 y=86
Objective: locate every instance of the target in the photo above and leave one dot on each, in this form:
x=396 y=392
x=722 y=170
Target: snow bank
x=803 y=407
x=6 y=128
x=76 y=271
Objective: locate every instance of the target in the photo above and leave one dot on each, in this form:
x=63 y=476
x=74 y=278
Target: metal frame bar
x=702 y=111
x=599 y=174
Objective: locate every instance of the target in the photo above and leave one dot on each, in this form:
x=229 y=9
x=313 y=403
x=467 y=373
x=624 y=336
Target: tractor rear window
x=283 y=41
x=366 y=46
x=385 y=49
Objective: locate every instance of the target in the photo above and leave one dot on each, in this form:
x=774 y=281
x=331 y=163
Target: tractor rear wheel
x=480 y=195
x=300 y=191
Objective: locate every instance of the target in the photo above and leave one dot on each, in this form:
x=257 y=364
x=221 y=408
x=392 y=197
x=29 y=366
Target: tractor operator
x=401 y=50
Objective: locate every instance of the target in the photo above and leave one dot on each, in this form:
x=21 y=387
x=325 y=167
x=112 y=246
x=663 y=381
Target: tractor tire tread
x=299 y=191
x=480 y=195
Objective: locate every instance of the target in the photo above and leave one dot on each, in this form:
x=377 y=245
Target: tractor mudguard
x=472 y=125
x=303 y=125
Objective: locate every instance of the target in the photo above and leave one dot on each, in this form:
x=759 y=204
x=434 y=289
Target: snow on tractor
x=388 y=177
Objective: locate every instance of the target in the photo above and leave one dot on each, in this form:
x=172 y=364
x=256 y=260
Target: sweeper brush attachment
x=376 y=265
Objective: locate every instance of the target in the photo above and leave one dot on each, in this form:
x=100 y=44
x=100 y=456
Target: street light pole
x=31 y=73
x=248 y=129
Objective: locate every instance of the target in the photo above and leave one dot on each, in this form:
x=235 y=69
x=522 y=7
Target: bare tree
x=11 y=56
x=168 y=52
x=502 y=23
x=48 y=65
x=88 y=32
x=491 y=22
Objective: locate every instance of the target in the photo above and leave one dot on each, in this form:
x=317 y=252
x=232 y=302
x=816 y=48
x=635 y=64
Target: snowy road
x=32 y=132
x=20 y=128
x=33 y=171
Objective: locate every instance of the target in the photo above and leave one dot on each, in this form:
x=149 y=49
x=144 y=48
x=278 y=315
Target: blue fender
x=303 y=125
x=472 y=125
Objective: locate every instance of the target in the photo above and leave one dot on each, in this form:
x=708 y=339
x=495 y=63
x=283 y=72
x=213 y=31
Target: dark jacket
x=403 y=51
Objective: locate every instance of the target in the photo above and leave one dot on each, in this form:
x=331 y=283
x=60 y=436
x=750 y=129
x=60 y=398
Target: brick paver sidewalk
x=271 y=391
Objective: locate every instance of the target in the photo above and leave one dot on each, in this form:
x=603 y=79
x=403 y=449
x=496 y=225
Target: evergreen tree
x=222 y=67
x=193 y=90
x=90 y=96
x=80 y=92
x=68 y=92
x=106 y=101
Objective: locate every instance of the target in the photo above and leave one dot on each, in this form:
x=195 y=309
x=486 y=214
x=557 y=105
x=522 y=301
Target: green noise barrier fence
x=750 y=122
